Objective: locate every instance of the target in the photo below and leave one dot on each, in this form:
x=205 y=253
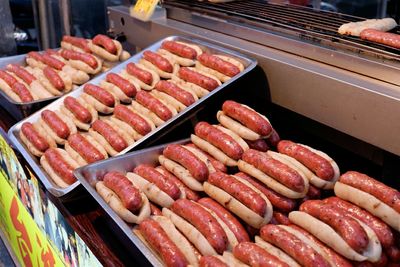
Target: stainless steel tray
x=160 y=131
x=89 y=175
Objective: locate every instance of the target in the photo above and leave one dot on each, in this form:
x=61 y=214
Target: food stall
x=336 y=93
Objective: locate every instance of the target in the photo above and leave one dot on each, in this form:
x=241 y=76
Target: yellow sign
x=143 y=9
x=27 y=241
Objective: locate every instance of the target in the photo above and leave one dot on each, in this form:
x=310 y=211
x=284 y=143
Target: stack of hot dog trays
x=20 y=109
x=69 y=193
x=296 y=214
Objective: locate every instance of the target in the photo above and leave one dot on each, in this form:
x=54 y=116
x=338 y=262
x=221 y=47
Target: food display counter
x=337 y=94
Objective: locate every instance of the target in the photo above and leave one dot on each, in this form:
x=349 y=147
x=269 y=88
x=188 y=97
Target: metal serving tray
x=20 y=110
x=89 y=175
x=160 y=131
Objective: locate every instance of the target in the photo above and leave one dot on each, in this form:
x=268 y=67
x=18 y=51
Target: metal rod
x=43 y=23
x=65 y=12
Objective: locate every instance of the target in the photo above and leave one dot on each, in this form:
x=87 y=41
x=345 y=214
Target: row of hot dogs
x=357 y=227
x=135 y=108
x=53 y=73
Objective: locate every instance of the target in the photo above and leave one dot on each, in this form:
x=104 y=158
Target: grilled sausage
x=134 y=120
x=113 y=138
x=216 y=63
x=278 y=201
x=33 y=136
x=234 y=225
x=153 y=104
x=386 y=38
x=61 y=167
x=126 y=87
x=56 y=123
x=176 y=92
x=219 y=139
x=78 y=42
x=319 y=165
x=84 y=57
x=161 y=181
x=158 y=61
x=159 y=240
x=347 y=227
x=79 y=111
x=139 y=73
x=293 y=246
x=84 y=148
x=100 y=94
x=179 y=49
x=275 y=169
x=197 y=168
x=203 y=221
x=105 y=42
x=129 y=194
x=248 y=117
x=197 y=78
x=240 y=191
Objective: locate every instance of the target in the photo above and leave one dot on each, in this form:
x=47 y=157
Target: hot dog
x=199 y=81
x=346 y=235
x=145 y=77
x=355 y=28
x=173 y=95
x=35 y=86
x=129 y=194
x=218 y=166
x=124 y=197
x=240 y=197
x=14 y=89
x=274 y=173
x=104 y=133
x=79 y=111
x=222 y=67
x=75 y=43
x=278 y=201
x=133 y=123
x=234 y=225
x=158 y=187
x=57 y=125
x=189 y=193
x=183 y=53
x=199 y=226
x=102 y=100
x=161 y=109
x=185 y=165
x=244 y=121
x=82 y=61
x=218 y=143
x=321 y=170
x=334 y=258
x=374 y=196
x=386 y=38
x=164 y=66
x=123 y=89
x=107 y=48
x=174 y=249
x=84 y=149
x=381 y=229
x=253 y=255
x=294 y=244
x=55 y=82
x=59 y=166
x=35 y=138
